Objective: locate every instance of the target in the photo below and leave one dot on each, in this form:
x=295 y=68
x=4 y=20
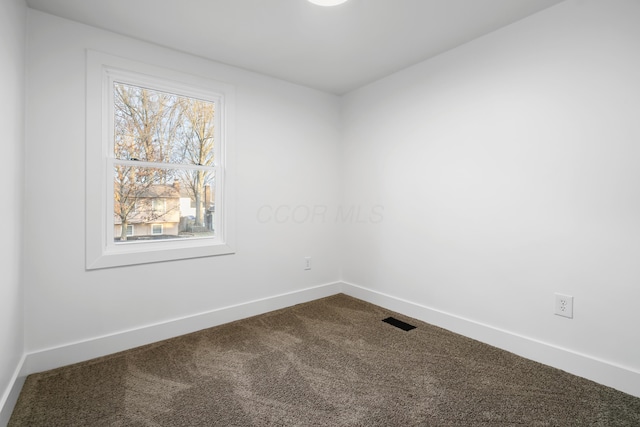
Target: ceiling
x=333 y=49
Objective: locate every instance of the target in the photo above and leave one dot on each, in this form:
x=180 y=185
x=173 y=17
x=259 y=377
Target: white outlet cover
x=564 y=305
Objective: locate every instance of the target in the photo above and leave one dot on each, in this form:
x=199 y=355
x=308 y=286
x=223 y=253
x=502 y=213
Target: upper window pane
x=154 y=126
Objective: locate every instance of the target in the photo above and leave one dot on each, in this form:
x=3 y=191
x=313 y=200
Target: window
x=154 y=138
x=159 y=206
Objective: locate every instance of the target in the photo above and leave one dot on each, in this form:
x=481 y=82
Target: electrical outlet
x=307 y=263
x=564 y=305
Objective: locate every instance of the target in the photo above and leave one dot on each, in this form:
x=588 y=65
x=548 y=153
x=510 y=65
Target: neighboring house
x=188 y=210
x=156 y=213
x=187 y=203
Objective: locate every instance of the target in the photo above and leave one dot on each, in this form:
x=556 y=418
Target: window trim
x=153 y=233
x=100 y=251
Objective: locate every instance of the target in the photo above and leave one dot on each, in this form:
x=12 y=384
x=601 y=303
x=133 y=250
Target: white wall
x=12 y=45
x=508 y=169
x=286 y=149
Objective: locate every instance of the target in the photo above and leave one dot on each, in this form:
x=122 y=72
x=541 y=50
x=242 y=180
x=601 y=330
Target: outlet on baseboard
x=307 y=263
x=564 y=305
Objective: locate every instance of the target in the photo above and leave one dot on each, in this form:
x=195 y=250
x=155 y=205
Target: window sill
x=143 y=253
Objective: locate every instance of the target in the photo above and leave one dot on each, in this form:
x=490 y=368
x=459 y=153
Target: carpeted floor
x=330 y=362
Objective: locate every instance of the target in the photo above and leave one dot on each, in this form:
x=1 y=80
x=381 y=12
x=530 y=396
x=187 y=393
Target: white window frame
x=161 y=229
x=133 y=231
x=101 y=250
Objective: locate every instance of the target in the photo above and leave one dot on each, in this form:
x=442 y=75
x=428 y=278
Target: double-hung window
x=159 y=146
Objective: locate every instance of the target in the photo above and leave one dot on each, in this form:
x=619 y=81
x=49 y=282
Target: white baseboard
x=594 y=369
x=56 y=357
x=10 y=396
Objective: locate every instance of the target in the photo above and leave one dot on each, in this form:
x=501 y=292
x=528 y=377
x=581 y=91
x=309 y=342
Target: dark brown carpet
x=331 y=362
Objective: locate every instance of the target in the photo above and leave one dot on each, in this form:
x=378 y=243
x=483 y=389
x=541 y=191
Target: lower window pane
x=154 y=204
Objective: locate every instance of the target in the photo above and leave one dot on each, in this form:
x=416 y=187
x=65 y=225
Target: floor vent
x=398 y=323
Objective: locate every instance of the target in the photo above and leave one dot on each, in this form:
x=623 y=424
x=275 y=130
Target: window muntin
x=115 y=148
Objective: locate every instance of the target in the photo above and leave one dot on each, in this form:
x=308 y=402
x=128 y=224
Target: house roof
x=161 y=190
x=184 y=193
